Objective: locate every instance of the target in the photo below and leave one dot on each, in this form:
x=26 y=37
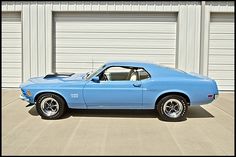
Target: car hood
x=74 y=77
x=54 y=80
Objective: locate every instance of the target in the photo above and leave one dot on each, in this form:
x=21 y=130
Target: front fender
x=72 y=97
x=36 y=94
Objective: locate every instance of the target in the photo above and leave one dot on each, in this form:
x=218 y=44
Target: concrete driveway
x=208 y=130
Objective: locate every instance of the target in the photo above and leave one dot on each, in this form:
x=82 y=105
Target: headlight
x=28 y=93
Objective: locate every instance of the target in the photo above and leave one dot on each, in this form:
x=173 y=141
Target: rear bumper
x=216 y=96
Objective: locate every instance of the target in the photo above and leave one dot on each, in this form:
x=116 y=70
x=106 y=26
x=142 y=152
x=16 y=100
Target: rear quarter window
x=143 y=74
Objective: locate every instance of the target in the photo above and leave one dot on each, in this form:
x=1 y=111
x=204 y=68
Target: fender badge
x=74 y=95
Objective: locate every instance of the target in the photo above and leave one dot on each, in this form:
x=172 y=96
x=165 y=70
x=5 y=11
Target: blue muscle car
x=120 y=85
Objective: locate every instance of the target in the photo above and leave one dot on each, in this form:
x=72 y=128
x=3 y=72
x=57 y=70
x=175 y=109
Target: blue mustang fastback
x=120 y=85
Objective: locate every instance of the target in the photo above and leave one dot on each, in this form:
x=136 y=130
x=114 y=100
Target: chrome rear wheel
x=173 y=108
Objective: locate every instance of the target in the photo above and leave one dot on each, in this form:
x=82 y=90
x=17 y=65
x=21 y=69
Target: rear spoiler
x=58 y=74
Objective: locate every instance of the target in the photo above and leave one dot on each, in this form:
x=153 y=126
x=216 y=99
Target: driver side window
x=116 y=74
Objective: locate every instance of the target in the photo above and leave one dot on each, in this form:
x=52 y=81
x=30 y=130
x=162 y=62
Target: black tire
x=162 y=109
x=61 y=103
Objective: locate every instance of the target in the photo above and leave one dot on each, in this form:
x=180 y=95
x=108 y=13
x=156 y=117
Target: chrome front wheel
x=49 y=106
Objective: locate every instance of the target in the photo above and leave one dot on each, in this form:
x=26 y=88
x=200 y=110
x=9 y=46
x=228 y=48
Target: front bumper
x=22 y=97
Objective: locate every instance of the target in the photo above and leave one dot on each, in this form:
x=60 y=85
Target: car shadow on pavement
x=33 y=111
x=131 y=113
x=198 y=112
x=193 y=112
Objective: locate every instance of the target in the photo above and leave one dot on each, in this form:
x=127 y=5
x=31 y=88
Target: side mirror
x=96 y=79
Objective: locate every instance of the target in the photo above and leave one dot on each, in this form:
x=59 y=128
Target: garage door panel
x=10 y=84
x=226 y=88
x=223 y=52
x=94 y=64
x=221 y=59
x=222 y=67
x=11 y=52
x=78 y=70
x=76 y=57
x=228 y=44
x=11 y=42
x=225 y=82
x=77 y=64
x=223 y=36
x=11 y=17
x=11 y=35
x=218 y=74
x=89 y=51
x=222 y=17
x=85 y=41
x=11 y=65
x=117 y=16
x=11 y=72
x=75 y=70
x=11 y=80
x=111 y=18
x=110 y=27
x=221 y=28
x=11 y=49
x=11 y=27
x=132 y=43
x=117 y=35
x=11 y=57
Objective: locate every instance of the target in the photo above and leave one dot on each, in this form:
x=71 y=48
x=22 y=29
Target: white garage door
x=83 y=41
x=221 y=50
x=11 y=50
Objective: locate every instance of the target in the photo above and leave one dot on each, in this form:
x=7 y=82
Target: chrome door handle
x=137 y=84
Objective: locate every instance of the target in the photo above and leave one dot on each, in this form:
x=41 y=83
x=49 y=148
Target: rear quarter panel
x=196 y=89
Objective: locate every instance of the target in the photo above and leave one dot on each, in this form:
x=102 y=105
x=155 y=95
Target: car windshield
x=90 y=75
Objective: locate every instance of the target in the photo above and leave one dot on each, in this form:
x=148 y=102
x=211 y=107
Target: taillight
x=210 y=96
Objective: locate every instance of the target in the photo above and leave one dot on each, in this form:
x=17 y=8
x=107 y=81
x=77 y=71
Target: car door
x=113 y=94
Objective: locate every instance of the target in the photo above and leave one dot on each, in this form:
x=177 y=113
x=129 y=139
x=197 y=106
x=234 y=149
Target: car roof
x=131 y=63
x=156 y=70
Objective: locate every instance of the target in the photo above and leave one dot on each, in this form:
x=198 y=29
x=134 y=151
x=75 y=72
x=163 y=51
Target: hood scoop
x=58 y=75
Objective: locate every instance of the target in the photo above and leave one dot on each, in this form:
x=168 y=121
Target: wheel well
x=38 y=95
x=174 y=93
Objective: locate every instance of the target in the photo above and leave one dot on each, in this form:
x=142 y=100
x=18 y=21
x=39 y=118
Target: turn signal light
x=28 y=93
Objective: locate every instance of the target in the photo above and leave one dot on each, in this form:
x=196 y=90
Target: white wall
x=37 y=29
